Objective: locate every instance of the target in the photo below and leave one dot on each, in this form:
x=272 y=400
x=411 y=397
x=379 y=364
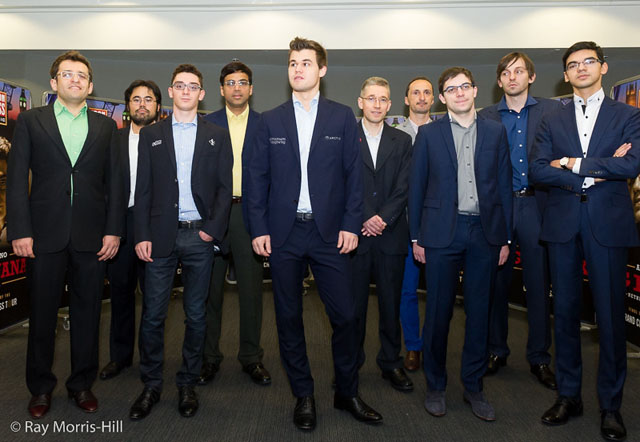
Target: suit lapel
x=386 y=146
x=321 y=119
x=201 y=144
x=533 y=120
x=480 y=126
x=291 y=128
x=364 y=148
x=445 y=127
x=50 y=126
x=568 y=119
x=167 y=132
x=602 y=122
x=92 y=134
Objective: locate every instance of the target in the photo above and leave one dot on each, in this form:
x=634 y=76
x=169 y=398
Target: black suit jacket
x=156 y=198
x=386 y=188
x=45 y=213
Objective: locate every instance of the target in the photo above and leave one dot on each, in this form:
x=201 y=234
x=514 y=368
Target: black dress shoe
x=495 y=362
x=187 y=401
x=39 y=405
x=142 y=406
x=545 y=375
x=258 y=373
x=112 y=369
x=399 y=379
x=611 y=426
x=207 y=373
x=85 y=400
x=358 y=409
x=562 y=410
x=304 y=415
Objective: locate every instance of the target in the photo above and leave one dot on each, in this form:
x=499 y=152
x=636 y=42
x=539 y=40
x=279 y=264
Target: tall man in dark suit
x=386 y=156
x=305 y=207
x=460 y=217
x=236 y=86
x=68 y=220
x=585 y=153
x=143 y=101
x=183 y=197
x=521 y=114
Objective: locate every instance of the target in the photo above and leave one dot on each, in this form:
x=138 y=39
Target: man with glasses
x=182 y=202
x=305 y=208
x=143 y=101
x=236 y=86
x=460 y=218
x=386 y=159
x=65 y=208
x=521 y=114
x=419 y=97
x=585 y=153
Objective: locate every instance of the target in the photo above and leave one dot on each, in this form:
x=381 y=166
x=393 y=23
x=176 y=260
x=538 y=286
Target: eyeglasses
x=180 y=86
x=586 y=62
x=241 y=83
x=140 y=100
x=464 y=87
x=372 y=100
x=68 y=75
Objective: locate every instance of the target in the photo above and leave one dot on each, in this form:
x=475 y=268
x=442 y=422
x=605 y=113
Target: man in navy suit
x=460 y=217
x=236 y=86
x=305 y=208
x=585 y=153
x=183 y=198
x=521 y=114
x=143 y=101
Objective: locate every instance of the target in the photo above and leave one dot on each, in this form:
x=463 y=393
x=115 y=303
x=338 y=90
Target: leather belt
x=190 y=224
x=304 y=216
x=527 y=191
x=236 y=200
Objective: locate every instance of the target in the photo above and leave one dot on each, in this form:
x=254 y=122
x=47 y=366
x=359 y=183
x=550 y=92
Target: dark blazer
x=386 y=189
x=122 y=139
x=334 y=172
x=433 y=186
x=534 y=117
x=219 y=117
x=45 y=213
x=156 y=208
x=609 y=204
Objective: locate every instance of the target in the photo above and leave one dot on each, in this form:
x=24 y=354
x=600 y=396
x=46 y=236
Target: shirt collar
x=454 y=121
x=174 y=122
x=314 y=100
x=59 y=108
x=243 y=115
x=368 y=135
x=598 y=96
x=502 y=104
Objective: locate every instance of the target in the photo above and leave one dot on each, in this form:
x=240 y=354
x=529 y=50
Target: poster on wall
x=628 y=91
x=14 y=301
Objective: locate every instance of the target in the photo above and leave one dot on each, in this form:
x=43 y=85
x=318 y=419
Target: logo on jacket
x=212 y=142
x=328 y=138
x=275 y=140
x=156 y=143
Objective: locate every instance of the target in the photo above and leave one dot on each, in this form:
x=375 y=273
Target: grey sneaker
x=435 y=403
x=479 y=405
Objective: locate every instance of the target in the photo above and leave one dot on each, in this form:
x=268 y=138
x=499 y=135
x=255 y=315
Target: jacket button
x=175 y=205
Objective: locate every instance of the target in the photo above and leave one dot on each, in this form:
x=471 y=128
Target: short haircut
x=190 y=69
x=375 y=81
x=299 y=44
x=149 y=85
x=590 y=45
x=450 y=73
x=72 y=56
x=406 y=92
x=233 y=67
x=512 y=57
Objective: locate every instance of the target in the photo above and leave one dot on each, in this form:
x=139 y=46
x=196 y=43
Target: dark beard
x=143 y=121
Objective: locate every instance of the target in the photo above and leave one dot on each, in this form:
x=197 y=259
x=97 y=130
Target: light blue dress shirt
x=184 y=143
x=305 y=122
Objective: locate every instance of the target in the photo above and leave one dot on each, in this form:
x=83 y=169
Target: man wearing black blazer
x=305 y=208
x=143 y=101
x=386 y=158
x=236 y=86
x=69 y=220
x=183 y=197
x=521 y=115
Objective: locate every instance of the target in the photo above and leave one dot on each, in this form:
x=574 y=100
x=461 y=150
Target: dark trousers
x=527 y=221
x=249 y=271
x=607 y=278
x=409 y=314
x=123 y=272
x=479 y=261
x=196 y=257
x=388 y=271
x=332 y=275
x=46 y=276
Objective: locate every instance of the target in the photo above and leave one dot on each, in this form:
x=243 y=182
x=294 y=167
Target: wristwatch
x=563 y=162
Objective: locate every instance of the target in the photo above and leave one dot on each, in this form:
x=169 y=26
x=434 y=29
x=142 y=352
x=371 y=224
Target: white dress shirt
x=585 y=122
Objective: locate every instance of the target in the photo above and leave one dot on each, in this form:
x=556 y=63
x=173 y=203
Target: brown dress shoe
x=412 y=360
x=39 y=405
x=85 y=400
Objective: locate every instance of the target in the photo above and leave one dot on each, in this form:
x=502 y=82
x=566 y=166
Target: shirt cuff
x=576 y=166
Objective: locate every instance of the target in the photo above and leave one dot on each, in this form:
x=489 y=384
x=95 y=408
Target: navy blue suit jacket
x=156 y=198
x=433 y=186
x=334 y=171
x=609 y=203
x=219 y=117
